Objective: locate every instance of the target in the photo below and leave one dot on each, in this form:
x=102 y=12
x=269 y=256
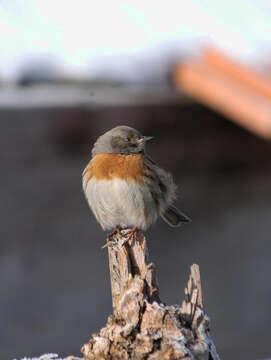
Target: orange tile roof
x=239 y=72
x=231 y=89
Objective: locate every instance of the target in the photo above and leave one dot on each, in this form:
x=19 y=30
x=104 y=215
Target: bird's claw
x=131 y=233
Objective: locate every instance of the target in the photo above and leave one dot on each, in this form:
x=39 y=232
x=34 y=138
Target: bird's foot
x=114 y=232
x=131 y=234
x=110 y=239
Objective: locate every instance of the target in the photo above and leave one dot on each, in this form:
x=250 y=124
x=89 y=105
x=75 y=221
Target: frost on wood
x=51 y=356
x=142 y=327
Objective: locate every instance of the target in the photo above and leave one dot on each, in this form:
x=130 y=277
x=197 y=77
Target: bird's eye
x=127 y=139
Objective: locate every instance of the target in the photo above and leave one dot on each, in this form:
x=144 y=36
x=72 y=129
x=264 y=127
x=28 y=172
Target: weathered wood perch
x=142 y=327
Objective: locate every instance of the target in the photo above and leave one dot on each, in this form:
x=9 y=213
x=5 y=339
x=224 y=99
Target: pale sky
x=78 y=34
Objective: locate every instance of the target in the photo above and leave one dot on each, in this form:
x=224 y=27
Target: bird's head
x=121 y=140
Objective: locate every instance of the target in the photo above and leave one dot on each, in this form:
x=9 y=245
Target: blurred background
x=194 y=74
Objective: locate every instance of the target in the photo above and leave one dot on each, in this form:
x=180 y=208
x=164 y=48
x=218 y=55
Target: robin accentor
x=124 y=187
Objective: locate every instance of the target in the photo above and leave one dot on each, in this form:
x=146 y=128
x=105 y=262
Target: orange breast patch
x=110 y=166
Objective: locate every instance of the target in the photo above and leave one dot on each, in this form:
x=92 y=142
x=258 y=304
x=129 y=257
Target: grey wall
x=54 y=276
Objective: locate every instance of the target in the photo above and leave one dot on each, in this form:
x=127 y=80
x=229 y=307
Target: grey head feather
x=120 y=140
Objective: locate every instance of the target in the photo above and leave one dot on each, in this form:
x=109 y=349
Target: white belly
x=122 y=203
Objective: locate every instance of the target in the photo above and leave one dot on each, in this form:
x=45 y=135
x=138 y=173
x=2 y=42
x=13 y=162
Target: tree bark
x=142 y=327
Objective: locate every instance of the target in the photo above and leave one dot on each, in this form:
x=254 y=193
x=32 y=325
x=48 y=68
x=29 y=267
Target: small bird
x=124 y=187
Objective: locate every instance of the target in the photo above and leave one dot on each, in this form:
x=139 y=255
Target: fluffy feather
x=120 y=202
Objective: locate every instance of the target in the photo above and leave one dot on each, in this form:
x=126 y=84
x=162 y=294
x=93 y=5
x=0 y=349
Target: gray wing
x=164 y=194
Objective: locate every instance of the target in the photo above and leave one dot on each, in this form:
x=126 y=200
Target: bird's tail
x=174 y=217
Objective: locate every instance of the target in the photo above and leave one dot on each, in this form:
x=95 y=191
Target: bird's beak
x=147 y=138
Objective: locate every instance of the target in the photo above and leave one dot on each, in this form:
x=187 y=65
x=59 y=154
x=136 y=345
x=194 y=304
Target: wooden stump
x=142 y=327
